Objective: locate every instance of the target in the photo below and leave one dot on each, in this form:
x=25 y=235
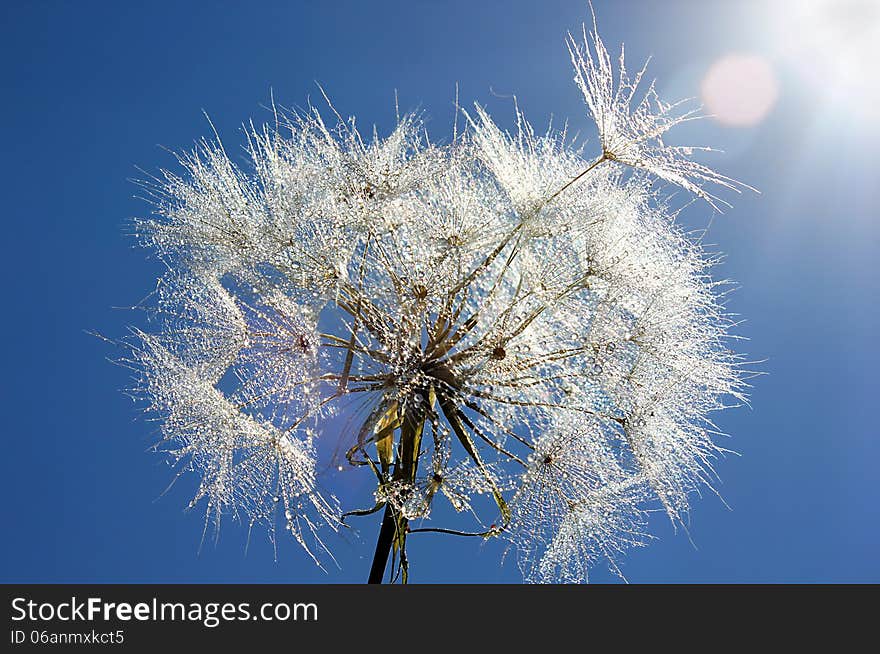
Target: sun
x=833 y=46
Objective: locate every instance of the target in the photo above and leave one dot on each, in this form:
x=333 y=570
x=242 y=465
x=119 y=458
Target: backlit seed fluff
x=501 y=323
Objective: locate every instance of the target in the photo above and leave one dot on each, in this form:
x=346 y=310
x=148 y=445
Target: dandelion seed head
x=500 y=317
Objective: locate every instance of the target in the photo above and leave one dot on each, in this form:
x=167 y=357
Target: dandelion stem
x=383 y=546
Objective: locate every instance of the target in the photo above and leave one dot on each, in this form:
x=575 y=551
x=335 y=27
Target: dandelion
x=502 y=322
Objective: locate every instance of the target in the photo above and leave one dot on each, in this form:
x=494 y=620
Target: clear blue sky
x=91 y=89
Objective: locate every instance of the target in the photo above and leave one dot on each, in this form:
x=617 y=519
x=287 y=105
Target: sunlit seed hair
x=503 y=323
x=633 y=120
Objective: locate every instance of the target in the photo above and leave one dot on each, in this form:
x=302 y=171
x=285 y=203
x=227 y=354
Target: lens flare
x=739 y=90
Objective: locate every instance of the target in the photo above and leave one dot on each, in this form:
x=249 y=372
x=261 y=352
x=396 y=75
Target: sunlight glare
x=834 y=45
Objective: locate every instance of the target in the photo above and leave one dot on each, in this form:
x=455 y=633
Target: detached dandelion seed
x=503 y=316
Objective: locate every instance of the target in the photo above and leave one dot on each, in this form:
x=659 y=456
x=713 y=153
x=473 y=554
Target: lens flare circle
x=739 y=90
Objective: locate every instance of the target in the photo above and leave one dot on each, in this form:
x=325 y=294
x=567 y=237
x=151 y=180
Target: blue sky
x=93 y=89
